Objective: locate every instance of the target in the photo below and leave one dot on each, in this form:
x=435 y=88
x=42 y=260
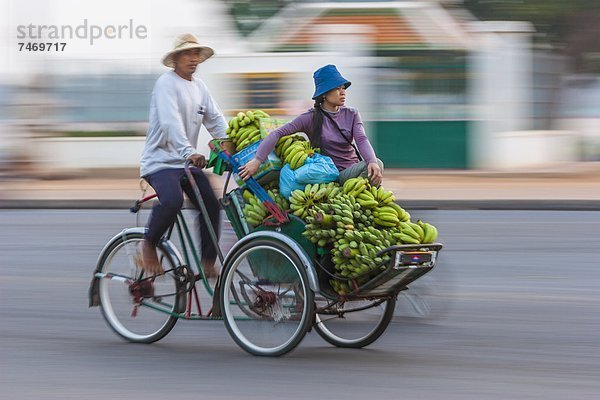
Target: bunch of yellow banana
x=382 y=196
x=327 y=191
x=386 y=217
x=402 y=214
x=366 y=199
x=301 y=201
x=244 y=128
x=390 y=215
x=355 y=186
x=430 y=232
x=296 y=152
x=285 y=142
x=416 y=233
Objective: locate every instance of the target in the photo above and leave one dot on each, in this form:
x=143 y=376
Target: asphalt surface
x=517 y=311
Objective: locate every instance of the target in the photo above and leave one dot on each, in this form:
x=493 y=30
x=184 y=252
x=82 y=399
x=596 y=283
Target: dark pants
x=356 y=170
x=169 y=187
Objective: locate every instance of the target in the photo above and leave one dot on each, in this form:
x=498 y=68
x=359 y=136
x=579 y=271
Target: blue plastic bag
x=316 y=169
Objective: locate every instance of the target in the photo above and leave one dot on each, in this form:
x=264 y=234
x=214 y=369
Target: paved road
x=522 y=322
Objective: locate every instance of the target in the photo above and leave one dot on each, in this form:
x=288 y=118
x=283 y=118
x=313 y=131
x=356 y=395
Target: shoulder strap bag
x=342 y=133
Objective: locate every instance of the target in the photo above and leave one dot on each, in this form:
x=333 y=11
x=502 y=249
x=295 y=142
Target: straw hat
x=183 y=42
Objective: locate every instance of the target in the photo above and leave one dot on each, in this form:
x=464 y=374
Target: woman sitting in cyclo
x=330 y=126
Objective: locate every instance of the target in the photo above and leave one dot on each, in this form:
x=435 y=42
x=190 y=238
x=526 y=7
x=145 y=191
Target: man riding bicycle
x=180 y=105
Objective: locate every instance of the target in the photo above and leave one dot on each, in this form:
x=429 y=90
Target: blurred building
x=407 y=64
x=437 y=88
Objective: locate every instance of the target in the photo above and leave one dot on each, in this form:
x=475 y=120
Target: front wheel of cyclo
x=266 y=302
x=138 y=309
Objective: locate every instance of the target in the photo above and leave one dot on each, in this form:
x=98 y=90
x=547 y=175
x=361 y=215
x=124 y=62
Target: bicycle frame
x=187 y=246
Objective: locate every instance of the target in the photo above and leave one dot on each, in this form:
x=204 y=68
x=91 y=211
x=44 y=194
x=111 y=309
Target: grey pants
x=358 y=169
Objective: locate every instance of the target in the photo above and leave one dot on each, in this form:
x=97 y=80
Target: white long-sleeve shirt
x=178 y=109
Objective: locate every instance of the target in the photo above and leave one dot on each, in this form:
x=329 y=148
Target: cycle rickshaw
x=272 y=289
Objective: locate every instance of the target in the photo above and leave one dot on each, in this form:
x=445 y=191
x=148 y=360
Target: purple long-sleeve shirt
x=332 y=142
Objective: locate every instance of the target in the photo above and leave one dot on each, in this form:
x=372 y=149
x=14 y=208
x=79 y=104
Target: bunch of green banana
x=381 y=237
x=244 y=128
x=254 y=211
x=355 y=256
x=281 y=201
x=341 y=209
x=318 y=234
x=341 y=287
x=296 y=153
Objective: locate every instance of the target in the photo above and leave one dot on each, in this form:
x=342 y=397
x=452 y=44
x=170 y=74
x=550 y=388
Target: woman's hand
x=248 y=170
x=374 y=173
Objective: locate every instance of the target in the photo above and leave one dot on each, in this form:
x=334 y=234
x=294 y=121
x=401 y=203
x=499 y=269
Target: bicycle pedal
x=184 y=274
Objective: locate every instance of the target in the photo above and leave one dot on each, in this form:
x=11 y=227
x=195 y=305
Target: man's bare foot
x=208 y=267
x=150 y=263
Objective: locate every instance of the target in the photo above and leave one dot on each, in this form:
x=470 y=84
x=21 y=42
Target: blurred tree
x=250 y=14
x=570 y=26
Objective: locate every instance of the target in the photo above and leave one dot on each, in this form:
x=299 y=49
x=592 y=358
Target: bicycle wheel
x=353 y=324
x=151 y=316
x=266 y=303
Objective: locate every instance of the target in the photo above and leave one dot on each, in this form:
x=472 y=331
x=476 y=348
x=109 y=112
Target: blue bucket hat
x=327 y=78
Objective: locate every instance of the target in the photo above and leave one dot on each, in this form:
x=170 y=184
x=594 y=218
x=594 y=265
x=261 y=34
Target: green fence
x=421 y=144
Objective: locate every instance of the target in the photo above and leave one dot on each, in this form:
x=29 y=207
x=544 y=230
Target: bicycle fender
x=168 y=246
x=313 y=281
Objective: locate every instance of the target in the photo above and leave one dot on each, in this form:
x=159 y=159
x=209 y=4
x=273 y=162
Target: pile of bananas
x=328 y=222
x=255 y=211
x=244 y=128
x=294 y=150
x=355 y=256
x=355 y=222
x=302 y=201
